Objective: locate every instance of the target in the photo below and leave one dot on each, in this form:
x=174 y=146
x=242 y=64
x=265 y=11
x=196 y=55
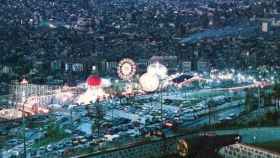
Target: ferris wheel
x=126 y=69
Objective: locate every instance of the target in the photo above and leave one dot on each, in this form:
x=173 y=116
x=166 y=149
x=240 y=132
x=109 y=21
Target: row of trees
x=262 y=97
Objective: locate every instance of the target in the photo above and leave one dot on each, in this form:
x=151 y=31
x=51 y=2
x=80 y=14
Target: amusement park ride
x=34 y=102
x=34 y=99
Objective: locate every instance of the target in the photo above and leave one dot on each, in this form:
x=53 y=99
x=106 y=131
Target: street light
x=71 y=114
x=259 y=99
x=112 y=108
x=161 y=103
x=24 y=100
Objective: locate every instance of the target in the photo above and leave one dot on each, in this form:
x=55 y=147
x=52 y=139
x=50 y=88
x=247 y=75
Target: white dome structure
x=149 y=82
x=158 y=70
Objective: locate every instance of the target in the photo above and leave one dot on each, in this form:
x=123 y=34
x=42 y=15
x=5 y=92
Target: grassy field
x=272 y=146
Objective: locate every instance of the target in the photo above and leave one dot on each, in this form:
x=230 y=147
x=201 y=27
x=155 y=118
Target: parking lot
x=123 y=122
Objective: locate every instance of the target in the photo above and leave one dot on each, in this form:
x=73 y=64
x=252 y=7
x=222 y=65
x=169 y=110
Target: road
x=224 y=111
x=254 y=135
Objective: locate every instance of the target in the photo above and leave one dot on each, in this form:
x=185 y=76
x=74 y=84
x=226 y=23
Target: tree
x=96 y=113
x=271 y=118
x=250 y=100
x=54 y=131
x=211 y=108
x=266 y=95
x=276 y=95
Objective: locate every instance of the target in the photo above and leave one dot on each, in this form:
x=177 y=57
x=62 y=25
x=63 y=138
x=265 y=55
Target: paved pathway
x=254 y=135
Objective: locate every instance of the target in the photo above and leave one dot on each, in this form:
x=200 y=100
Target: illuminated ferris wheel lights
x=126 y=69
